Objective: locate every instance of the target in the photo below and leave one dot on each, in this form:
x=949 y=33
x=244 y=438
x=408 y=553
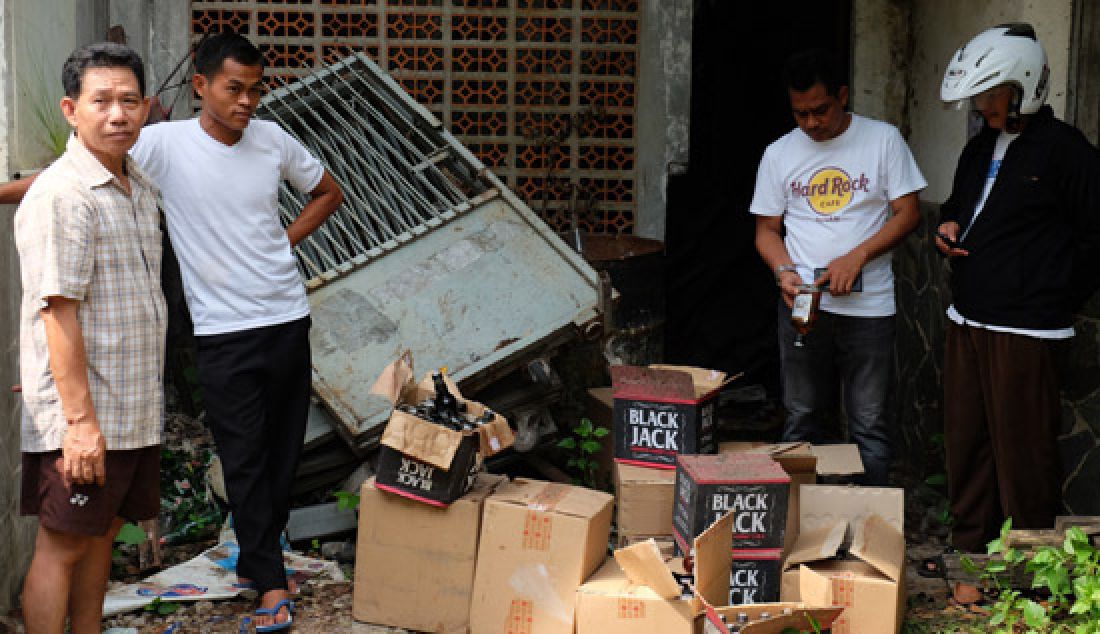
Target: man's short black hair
x=213 y=50
x=814 y=66
x=99 y=55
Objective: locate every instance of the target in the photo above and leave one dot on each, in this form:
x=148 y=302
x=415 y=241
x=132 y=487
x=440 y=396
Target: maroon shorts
x=132 y=492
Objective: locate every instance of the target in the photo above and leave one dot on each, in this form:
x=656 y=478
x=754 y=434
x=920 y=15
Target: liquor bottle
x=804 y=311
x=445 y=402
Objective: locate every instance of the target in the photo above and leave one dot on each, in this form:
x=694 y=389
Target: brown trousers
x=1002 y=415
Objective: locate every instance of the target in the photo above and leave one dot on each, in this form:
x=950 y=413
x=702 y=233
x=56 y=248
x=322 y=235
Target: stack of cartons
x=539 y=542
x=753 y=489
x=869 y=583
x=414 y=564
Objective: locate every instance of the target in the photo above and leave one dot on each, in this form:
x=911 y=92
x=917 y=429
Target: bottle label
x=800 y=310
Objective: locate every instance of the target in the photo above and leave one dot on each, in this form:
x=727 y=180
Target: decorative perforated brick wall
x=504 y=75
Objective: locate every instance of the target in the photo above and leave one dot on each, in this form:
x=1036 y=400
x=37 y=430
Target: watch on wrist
x=783 y=268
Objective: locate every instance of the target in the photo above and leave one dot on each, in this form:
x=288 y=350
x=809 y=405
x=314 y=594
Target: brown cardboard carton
x=415 y=563
x=644 y=500
x=665 y=543
x=870 y=584
x=635 y=591
x=804 y=463
x=662 y=411
x=768 y=618
x=539 y=542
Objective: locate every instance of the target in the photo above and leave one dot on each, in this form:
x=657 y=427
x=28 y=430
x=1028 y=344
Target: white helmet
x=1009 y=53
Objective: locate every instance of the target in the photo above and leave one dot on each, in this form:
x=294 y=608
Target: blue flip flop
x=273 y=612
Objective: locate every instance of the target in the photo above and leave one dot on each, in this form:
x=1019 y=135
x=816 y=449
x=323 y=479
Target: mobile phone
x=946 y=240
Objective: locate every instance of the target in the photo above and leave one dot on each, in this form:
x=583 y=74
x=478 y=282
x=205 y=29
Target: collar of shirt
x=93 y=174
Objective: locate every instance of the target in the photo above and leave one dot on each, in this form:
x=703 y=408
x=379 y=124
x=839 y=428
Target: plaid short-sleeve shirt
x=82 y=237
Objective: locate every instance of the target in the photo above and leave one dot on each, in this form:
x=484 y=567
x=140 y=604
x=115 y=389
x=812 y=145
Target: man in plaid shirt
x=91 y=344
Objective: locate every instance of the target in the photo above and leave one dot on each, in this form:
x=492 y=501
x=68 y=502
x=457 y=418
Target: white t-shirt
x=1004 y=139
x=221 y=202
x=834 y=195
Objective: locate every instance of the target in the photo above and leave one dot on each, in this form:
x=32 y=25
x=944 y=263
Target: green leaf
x=584 y=430
x=567 y=443
x=1035 y=615
x=591 y=446
x=600 y=432
x=969 y=566
x=167 y=607
x=346 y=501
x=131 y=534
x=936 y=479
x=996 y=566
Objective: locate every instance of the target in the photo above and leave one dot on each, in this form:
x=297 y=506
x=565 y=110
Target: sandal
x=273 y=612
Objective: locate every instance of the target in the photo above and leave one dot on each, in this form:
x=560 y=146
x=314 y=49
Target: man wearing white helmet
x=1022 y=229
x=833 y=197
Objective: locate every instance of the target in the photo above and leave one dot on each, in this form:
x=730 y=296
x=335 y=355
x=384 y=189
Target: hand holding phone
x=947 y=240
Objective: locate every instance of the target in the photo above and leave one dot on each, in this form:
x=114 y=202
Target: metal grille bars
x=400 y=175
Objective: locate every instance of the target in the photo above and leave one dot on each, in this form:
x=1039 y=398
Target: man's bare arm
x=84 y=450
x=12 y=192
x=842 y=271
x=769 y=242
x=324 y=199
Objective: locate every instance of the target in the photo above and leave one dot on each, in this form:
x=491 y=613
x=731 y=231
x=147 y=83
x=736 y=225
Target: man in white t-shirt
x=833 y=197
x=219 y=175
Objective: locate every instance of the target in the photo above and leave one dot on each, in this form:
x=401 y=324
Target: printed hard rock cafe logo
x=830 y=189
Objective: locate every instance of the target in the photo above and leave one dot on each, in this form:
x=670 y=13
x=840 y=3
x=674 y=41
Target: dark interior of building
x=721 y=298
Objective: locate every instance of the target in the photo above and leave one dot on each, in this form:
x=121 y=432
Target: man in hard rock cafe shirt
x=1022 y=231
x=844 y=189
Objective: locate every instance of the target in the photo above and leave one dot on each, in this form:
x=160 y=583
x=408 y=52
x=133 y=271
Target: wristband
x=783 y=268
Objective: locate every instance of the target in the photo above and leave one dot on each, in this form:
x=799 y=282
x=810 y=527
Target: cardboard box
x=805 y=464
x=422 y=460
x=539 y=541
x=636 y=592
x=768 y=618
x=644 y=500
x=754 y=576
x=750 y=485
x=414 y=565
x=663 y=411
x=868 y=524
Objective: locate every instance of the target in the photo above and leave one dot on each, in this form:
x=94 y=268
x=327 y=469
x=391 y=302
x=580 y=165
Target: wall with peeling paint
x=664 y=108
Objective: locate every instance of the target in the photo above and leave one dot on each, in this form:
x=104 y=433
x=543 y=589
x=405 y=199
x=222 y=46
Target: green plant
x=162 y=608
x=131 y=534
x=346 y=500
x=44 y=101
x=1070 y=574
x=184 y=499
x=582 y=448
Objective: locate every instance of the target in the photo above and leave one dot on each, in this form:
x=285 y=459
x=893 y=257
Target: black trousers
x=256 y=391
x=1002 y=414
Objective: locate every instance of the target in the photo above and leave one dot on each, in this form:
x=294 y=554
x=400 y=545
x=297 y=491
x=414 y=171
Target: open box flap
x=713 y=560
x=838 y=460
x=822 y=505
x=880 y=545
x=427 y=442
x=818 y=544
x=643 y=565
x=704 y=380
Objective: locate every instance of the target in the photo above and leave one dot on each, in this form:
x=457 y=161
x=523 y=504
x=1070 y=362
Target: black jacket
x=1034 y=248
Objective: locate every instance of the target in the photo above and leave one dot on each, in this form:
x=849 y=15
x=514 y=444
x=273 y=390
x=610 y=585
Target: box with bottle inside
x=434 y=443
